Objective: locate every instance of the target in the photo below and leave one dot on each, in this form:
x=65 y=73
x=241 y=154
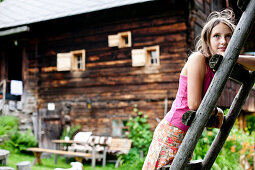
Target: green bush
x=8 y=125
x=132 y=160
x=15 y=140
x=251 y=123
x=238 y=143
x=19 y=141
x=141 y=136
x=139 y=131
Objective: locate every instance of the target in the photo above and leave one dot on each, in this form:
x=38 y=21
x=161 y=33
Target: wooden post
x=104 y=155
x=216 y=87
x=93 y=161
x=37 y=158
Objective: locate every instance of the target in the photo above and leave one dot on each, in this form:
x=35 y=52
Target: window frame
x=122 y=37
x=120 y=127
x=148 y=50
x=74 y=60
x=142 y=57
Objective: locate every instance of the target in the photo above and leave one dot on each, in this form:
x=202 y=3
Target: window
x=125 y=39
x=148 y=56
x=78 y=63
x=74 y=60
x=119 y=127
x=152 y=55
x=121 y=40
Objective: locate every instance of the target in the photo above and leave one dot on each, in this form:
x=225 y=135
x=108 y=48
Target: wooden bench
x=96 y=145
x=38 y=151
x=119 y=146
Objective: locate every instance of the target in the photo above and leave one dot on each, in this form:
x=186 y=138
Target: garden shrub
x=15 y=140
x=139 y=131
x=8 y=125
x=141 y=136
x=20 y=141
x=238 y=143
x=132 y=160
x=251 y=123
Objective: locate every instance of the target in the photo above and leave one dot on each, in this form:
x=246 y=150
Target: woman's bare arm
x=196 y=68
x=247 y=61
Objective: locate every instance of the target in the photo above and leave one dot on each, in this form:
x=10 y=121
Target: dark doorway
x=13 y=68
x=14 y=60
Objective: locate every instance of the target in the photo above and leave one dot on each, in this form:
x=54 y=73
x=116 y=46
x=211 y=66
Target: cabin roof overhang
x=16 y=13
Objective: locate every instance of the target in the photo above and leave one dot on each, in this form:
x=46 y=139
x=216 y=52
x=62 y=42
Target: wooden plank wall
x=110 y=81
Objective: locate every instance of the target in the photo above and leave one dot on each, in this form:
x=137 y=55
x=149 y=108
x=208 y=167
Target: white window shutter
x=138 y=57
x=64 y=61
x=113 y=40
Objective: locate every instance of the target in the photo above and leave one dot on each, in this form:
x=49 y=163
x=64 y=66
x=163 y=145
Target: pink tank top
x=180 y=104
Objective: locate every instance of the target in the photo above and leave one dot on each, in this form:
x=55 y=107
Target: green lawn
x=48 y=163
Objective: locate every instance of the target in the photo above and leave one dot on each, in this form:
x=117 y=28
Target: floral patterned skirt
x=164 y=146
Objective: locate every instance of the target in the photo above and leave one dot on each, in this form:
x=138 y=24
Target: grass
x=48 y=162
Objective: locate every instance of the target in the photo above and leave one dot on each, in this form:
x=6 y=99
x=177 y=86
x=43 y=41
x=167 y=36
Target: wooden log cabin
x=90 y=64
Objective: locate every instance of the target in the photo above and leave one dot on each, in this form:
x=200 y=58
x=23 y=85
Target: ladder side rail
x=229 y=122
x=216 y=87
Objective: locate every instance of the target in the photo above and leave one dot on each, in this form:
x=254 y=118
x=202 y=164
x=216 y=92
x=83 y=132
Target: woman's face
x=219 y=39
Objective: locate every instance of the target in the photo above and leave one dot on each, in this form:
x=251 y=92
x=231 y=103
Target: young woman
x=194 y=81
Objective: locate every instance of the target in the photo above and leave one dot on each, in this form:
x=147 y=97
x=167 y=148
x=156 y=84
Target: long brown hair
x=226 y=16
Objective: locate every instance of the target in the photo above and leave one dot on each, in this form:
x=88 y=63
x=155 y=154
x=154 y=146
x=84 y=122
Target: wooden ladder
x=246 y=78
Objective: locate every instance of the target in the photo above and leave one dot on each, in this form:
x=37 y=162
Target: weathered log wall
x=110 y=81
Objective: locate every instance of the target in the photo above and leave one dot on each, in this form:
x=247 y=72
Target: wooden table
x=4 y=156
x=58 y=142
x=66 y=141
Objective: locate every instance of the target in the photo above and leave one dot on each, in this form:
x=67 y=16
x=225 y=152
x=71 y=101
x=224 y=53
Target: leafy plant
x=251 y=123
x=139 y=131
x=238 y=144
x=132 y=160
x=141 y=136
x=70 y=131
x=19 y=141
x=8 y=125
x=15 y=140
